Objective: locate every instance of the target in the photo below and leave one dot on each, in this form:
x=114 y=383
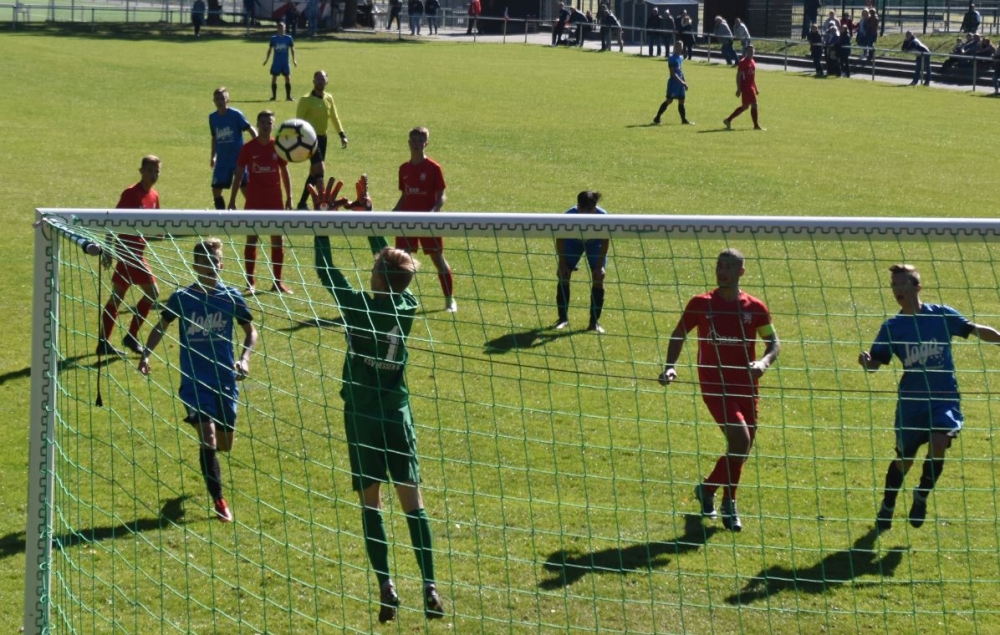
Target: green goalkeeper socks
x=420 y=535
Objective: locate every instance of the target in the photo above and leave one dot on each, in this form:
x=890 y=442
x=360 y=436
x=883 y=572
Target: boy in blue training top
x=227 y=126
x=928 y=410
x=209 y=371
x=282 y=45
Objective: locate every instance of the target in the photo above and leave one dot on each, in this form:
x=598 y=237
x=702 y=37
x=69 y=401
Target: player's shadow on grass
x=528 y=339
x=569 y=567
x=837 y=569
x=172 y=513
x=644 y=125
x=318 y=323
x=64 y=364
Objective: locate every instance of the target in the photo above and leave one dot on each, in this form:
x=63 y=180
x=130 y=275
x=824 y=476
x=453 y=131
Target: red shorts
x=412 y=245
x=728 y=409
x=749 y=98
x=127 y=274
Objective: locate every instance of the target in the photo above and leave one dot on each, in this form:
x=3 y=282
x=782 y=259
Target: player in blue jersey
x=569 y=251
x=227 y=126
x=928 y=409
x=209 y=371
x=378 y=421
x=282 y=46
x=676 y=86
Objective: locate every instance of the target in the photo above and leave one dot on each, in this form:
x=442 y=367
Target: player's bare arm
x=772 y=347
x=154 y=340
x=268 y=56
x=674 y=349
x=438 y=201
x=232 y=194
x=211 y=159
x=242 y=365
x=986 y=333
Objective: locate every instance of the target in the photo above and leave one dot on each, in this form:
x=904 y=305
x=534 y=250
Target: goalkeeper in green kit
x=377 y=416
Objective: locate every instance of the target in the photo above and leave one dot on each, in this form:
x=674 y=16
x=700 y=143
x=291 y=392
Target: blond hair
x=398 y=267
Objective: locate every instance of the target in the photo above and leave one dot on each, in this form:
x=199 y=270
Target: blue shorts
x=222 y=175
x=280 y=69
x=917 y=420
x=204 y=404
x=675 y=89
x=575 y=250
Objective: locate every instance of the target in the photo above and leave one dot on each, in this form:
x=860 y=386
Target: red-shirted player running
x=266 y=174
x=421 y=182
x=132 y=266
x=729 y=323
x=746 y=88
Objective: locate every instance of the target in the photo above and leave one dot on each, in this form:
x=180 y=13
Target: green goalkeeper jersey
x=377 y=328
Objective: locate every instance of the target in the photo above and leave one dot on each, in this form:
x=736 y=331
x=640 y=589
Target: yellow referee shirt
x=318 y=112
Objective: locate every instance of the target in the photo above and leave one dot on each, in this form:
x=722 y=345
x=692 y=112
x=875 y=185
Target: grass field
x=516 y=490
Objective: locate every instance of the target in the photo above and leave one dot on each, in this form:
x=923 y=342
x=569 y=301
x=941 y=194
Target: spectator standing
x=996 y=72
x=832 y=42
x=872 y=32
x=844 y=52
x=741 y=33
x=415 y=10
x=312 y=17
x=198 y=16
x=831 y=20
x=610 y=26
x=686 y=31
x=475 y=10
x=847 y=22
x=810 y=16
x=922 y=63
x=431 y=11
x=669 y=27
x=724 y=34
x=560 y=24
x=816 y=49
x=971 y=20
x=653 y=25
x=395 y=7
x=862 y=37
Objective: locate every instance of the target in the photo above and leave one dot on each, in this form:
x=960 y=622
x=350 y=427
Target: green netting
x=557 y=472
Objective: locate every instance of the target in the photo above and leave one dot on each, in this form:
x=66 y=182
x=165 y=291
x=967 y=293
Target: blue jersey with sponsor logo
x=206 y=333
x=228 y=129
x=281 y=44
x=922 y=342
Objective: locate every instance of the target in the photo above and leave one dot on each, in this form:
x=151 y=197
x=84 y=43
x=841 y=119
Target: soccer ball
x=295 y=141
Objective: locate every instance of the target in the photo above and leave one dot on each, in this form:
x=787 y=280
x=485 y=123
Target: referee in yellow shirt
x=318 y=109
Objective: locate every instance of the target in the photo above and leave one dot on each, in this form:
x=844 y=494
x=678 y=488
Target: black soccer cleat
x=388 y=603
x=131 y=342
x=105 y=348
x=707 y=502
x=730 y=516
x=433 y=608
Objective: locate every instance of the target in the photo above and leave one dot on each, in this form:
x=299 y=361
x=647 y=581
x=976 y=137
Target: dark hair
x=909 y=271
x=588 y=199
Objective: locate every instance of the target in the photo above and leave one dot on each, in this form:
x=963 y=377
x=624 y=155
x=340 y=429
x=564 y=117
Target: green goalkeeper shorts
x=382 y=445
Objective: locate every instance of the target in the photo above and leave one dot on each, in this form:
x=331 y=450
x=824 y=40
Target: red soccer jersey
x=264 y=182
x=748 y=70
x=420 y=184
x=727 y=338
x=136 y=197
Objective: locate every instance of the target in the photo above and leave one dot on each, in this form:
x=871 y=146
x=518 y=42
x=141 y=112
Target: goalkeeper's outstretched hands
x=326 y=199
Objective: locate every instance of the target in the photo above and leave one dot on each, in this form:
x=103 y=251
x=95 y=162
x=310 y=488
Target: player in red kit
x=746 y=88
x=421 y=182
x=267 y=174
x=132 y=267
x=729 y=322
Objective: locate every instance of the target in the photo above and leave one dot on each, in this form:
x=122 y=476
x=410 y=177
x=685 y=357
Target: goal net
x=556 y=472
